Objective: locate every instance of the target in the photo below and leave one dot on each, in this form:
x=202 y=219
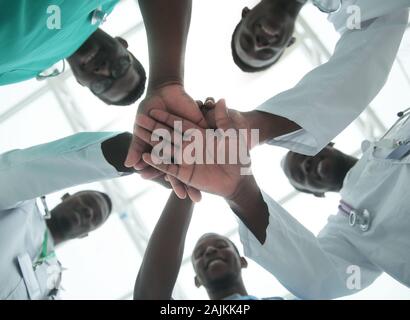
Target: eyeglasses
x=50 y=73
x=117 y=70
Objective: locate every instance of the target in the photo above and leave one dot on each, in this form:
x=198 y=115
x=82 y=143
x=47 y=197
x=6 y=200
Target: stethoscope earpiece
x=403 y=113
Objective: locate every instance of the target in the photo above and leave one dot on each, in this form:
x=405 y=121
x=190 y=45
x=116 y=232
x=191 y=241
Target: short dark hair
x=137 y=92
x=242 y=65
x=109 y=202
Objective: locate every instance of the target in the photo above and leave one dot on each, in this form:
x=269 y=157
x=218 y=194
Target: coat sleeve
x=309 y=267
x=29 y=173
x=334 y=94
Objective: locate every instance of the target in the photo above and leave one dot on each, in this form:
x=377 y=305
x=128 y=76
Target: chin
x=220 y=280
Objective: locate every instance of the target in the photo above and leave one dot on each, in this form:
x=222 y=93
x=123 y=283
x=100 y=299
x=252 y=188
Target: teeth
x=268 y=31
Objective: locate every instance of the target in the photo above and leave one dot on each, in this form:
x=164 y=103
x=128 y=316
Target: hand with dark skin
x=269 y=125
x=198 y=176
x=241 y=191
x=163 y=257
x=167 y=25
x=115 y=151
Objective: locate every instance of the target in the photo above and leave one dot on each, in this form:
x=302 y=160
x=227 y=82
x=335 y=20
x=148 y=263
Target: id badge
x=400 y=152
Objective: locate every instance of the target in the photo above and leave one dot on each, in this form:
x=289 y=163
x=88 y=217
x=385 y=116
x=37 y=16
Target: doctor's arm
x=163 y=256
x=167 y=25
x=307 y=117
x=81 y=158
x=310 y=267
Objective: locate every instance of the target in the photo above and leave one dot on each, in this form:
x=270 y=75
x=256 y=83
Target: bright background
x=105 y=265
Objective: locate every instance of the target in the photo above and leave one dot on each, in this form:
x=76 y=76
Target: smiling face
x=262 y=36
x=319 y=174
x=216 y=261
x=80 y=213
x=108 y=69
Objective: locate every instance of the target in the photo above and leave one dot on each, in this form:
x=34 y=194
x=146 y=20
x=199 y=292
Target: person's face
x=104 y=65
x=216 y=261
x=263 y=34
x=81 y=213
x=319 y=174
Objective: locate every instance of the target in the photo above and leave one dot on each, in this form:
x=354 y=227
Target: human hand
x=241 y=120
x=174 y=99
x=218 y=177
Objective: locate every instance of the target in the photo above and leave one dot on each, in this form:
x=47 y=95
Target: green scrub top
x=28 y=46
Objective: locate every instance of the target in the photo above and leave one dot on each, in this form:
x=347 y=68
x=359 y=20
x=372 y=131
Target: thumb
x=134 y=152
x=222 y=119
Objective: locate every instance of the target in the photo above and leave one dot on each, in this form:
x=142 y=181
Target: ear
x=198 y=282
x=292 y=42
x=245 y=12
x=123 y=42
x=244 y=263
x=319 y=195
x=65 y=196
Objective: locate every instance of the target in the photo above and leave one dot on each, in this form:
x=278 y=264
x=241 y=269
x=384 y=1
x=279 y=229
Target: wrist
x=269 y=125
x=115 y=151
x=295 y=6
x=245 y=186
x=160 y=83
x=248 y=204
x=264 y=122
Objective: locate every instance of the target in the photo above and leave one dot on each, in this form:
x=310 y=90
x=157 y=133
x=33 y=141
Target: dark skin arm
x=115 y=151
x=224 y=179
x=163 y=256
x=248 y=205
x=269 y=125
x=167 y=25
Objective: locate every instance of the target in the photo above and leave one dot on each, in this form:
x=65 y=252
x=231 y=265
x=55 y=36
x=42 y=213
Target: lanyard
x=44 y=255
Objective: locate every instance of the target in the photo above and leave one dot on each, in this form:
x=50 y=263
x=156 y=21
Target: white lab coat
x=325 y=102
x=321 y=267
x=334 y=94
x=24 y=176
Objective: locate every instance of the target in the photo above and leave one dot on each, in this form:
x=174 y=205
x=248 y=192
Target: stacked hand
x=193 y=171
x=173 y=99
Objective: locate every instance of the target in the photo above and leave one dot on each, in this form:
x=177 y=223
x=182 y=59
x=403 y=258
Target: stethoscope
x=362 y=218
x=328 y=6
x=402 y=115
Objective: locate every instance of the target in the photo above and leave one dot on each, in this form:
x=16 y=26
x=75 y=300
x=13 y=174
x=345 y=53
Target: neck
x=349 y=163
x=54 y=228
x=218 y=293
x=292 y=7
